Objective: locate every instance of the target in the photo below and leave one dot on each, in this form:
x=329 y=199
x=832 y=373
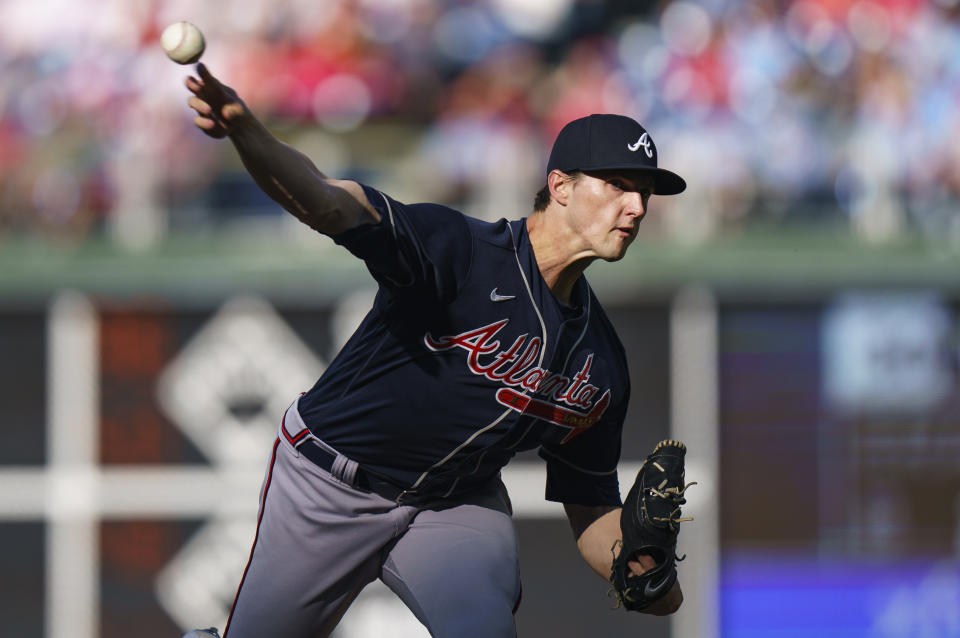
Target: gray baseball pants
x=319 y=541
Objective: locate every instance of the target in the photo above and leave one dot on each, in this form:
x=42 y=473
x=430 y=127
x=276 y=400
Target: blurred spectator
x=812 y=113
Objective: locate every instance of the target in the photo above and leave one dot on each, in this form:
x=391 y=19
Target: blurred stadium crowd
x=837 y=114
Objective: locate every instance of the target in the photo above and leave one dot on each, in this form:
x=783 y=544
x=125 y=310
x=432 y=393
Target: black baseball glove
x=649 y=522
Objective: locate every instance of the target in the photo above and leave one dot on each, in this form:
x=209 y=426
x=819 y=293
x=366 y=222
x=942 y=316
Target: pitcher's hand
x=218 y=106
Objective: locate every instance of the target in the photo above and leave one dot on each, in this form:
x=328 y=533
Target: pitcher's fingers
x=193 y=84
x=199 y=105
x=231 y=110
x=207 y=78
x=205 y=123
x=641 y=563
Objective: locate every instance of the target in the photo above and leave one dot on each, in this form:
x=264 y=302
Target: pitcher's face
x=605 y=209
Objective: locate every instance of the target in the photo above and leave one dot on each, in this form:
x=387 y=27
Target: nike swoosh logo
x=495 y=297
x=650 y=592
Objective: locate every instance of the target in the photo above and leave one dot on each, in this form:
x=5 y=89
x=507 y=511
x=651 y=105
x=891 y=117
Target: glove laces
x=676 y=496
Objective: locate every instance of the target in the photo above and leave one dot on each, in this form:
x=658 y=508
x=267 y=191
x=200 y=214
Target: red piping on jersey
x=296 y=438
x=263 y=506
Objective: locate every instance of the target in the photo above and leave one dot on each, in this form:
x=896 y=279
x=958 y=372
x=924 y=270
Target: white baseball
x=182 y=42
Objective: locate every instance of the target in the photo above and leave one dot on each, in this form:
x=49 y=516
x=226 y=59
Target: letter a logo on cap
x=644 y=141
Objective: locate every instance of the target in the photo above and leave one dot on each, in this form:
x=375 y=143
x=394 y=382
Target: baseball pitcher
x=485 y=339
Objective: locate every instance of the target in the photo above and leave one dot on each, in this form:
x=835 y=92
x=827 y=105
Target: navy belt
x=364 y=479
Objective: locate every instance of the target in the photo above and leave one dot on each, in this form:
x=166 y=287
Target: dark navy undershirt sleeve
x=417 y=246
x=583 y=471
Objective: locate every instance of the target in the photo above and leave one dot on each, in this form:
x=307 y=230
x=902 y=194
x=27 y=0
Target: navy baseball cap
x=605 y=141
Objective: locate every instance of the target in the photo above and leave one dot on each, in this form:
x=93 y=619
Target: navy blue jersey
x=467 y=358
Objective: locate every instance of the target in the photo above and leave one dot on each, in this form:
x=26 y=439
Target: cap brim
x=667 y=182
x=664 y=182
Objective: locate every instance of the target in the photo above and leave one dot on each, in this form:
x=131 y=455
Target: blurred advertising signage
x=886 y=353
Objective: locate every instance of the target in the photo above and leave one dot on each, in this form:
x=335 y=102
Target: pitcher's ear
x=560 y=185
